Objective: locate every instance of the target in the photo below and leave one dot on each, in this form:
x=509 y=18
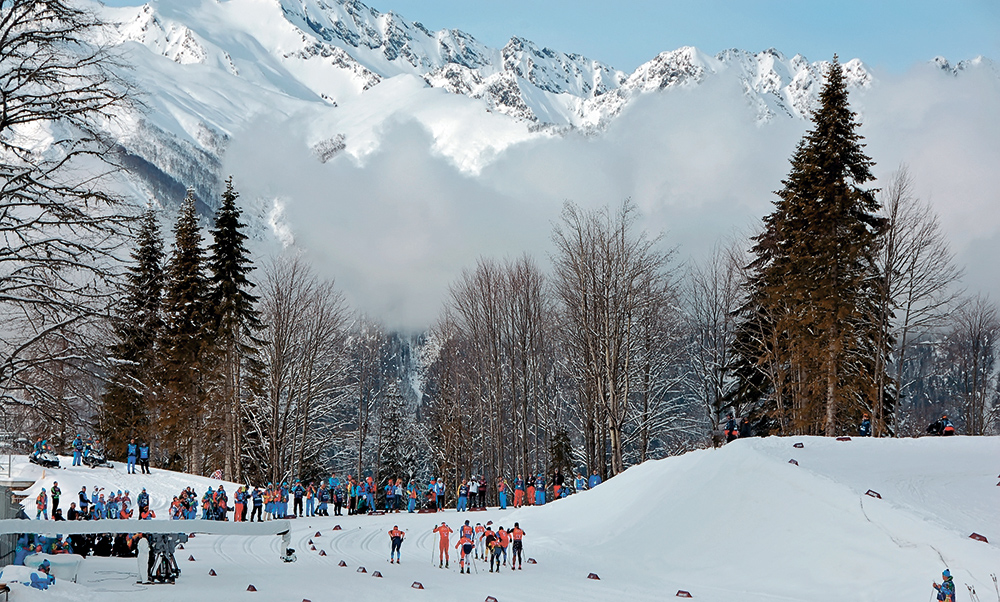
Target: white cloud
x=396 y=229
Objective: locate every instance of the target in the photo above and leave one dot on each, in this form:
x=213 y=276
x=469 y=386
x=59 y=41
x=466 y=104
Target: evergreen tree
x=187 y=351
x=131 y=383
x=236 y=321
x=398 y=440
x=806 y=338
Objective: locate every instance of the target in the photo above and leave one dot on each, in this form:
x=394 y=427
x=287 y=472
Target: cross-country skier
x=480 y=534
x=444 y=532
x=396 y=536
x=491 y=549
x=517 y=534
x=503 y=540
x=946 y=589
x=466 y=546
x=467 y=531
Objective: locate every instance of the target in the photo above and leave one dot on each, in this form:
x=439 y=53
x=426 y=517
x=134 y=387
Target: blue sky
x=892 y=34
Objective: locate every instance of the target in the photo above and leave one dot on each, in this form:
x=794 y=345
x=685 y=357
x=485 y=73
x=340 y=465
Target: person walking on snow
x=946 y=589
x=464 y=560
x=444 y=532
x=396 y=537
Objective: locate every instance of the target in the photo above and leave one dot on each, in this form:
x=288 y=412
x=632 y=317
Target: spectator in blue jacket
x=594 y=481
x=133 y=453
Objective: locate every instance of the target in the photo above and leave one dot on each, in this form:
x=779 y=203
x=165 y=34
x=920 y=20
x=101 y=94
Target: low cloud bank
x=397 y=228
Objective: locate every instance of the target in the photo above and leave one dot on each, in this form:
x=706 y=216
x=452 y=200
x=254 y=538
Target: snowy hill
x=737 y=523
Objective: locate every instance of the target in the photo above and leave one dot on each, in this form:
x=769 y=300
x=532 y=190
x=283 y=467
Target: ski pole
x=474 y=565
x=995 y=586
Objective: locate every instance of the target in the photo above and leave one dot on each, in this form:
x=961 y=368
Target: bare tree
x=918 y=290
x=367 y=348
x=304 y=369
x=60 y=227
x=714 y=295
x=604 y=272
x=971 y=358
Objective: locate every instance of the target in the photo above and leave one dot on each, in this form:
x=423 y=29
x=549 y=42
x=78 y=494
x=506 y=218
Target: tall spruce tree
x=131 y=386
x=806 y=344
x=237 y=321
x=183 y=416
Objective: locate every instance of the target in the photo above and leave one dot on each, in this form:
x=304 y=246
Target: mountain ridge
x=241 y=60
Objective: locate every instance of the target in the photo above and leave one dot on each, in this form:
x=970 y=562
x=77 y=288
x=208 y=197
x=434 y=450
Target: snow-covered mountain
x=210 y=67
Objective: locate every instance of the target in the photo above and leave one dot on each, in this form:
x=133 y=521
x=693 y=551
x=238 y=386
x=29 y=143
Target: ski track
x=219 y=547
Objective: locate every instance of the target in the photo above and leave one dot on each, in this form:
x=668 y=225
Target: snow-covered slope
x=737 y=523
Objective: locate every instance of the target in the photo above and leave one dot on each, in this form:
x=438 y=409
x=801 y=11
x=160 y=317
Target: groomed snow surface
x=738 y=523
